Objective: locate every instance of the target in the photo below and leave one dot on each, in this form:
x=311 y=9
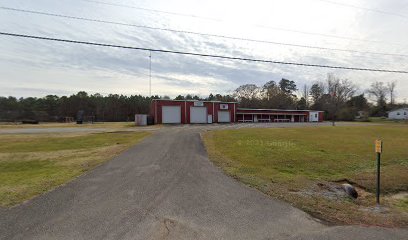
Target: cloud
x=43 y=67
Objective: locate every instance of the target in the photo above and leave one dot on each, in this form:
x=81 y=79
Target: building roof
x=277 y=110
x=273 y=113
x=193 y=100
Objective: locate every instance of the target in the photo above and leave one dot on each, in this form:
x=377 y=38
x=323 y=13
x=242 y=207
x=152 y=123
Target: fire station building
x=192 y=111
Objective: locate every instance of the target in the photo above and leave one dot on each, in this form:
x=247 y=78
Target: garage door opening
x=171 y=114
x=198 y=115
x=224 y=117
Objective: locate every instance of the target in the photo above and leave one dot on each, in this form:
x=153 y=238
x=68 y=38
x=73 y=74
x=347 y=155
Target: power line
x=328 y=35
x=201 y=54
x=153 y=10
x=364 y=8
x=253 y=25
x=201 y=34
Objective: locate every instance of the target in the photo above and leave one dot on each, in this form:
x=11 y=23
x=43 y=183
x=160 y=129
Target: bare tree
x=247 y=91
x=305 y=95
x=248 y=95
x=340 y=90
x=391 y=90
x=378 y=92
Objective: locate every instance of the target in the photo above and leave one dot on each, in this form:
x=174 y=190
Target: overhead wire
x=201 y=34
x=152 y=10
x=252 y=25
x=364 y=8
x=201 y=54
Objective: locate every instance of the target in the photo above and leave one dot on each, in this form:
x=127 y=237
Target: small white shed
x=398 y=114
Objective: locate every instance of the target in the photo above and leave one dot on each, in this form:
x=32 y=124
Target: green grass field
x=386 y=120
x=115 y=125
x=294 y=163
x=35 y=163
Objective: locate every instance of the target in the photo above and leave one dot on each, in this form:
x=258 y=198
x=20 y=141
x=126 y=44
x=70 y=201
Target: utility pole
x=150 y=73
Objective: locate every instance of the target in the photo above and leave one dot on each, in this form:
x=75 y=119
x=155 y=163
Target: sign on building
x=198 y=104
x=224 y=106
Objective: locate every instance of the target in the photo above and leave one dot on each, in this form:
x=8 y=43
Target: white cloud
x=36 y=68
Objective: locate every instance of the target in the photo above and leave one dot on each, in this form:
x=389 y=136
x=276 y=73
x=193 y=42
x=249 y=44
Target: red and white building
x=192 y=111
x=278 y=115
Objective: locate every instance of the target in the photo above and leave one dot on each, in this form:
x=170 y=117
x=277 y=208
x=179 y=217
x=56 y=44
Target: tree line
x=94 y=107
x=339 y=98
x=112 y=107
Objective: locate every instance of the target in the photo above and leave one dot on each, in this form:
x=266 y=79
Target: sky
x=37 y=68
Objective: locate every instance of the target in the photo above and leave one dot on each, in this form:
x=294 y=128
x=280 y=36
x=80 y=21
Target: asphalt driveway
x=166 y=188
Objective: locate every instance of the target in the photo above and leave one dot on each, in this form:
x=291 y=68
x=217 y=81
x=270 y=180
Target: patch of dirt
x=329 y=202
x=328 y=190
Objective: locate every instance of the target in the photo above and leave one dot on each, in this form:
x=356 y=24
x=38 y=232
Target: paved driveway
x=166 y=188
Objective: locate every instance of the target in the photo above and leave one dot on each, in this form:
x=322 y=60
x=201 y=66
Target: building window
x=398 y=113
x=405 y=113
x=315 y=115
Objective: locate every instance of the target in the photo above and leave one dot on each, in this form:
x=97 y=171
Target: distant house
x=398 y=114
x=361 y=115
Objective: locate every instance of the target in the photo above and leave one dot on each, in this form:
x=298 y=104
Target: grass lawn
x=386 y=120
x=9 y=125
x=36 y=163
x=302 y=165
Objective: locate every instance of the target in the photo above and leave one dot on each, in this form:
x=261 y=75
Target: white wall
x=398 y=114
x=313 y=116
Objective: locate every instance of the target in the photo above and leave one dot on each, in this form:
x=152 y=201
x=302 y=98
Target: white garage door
x=198 y=115
x=171 y=114
x=224 y=117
